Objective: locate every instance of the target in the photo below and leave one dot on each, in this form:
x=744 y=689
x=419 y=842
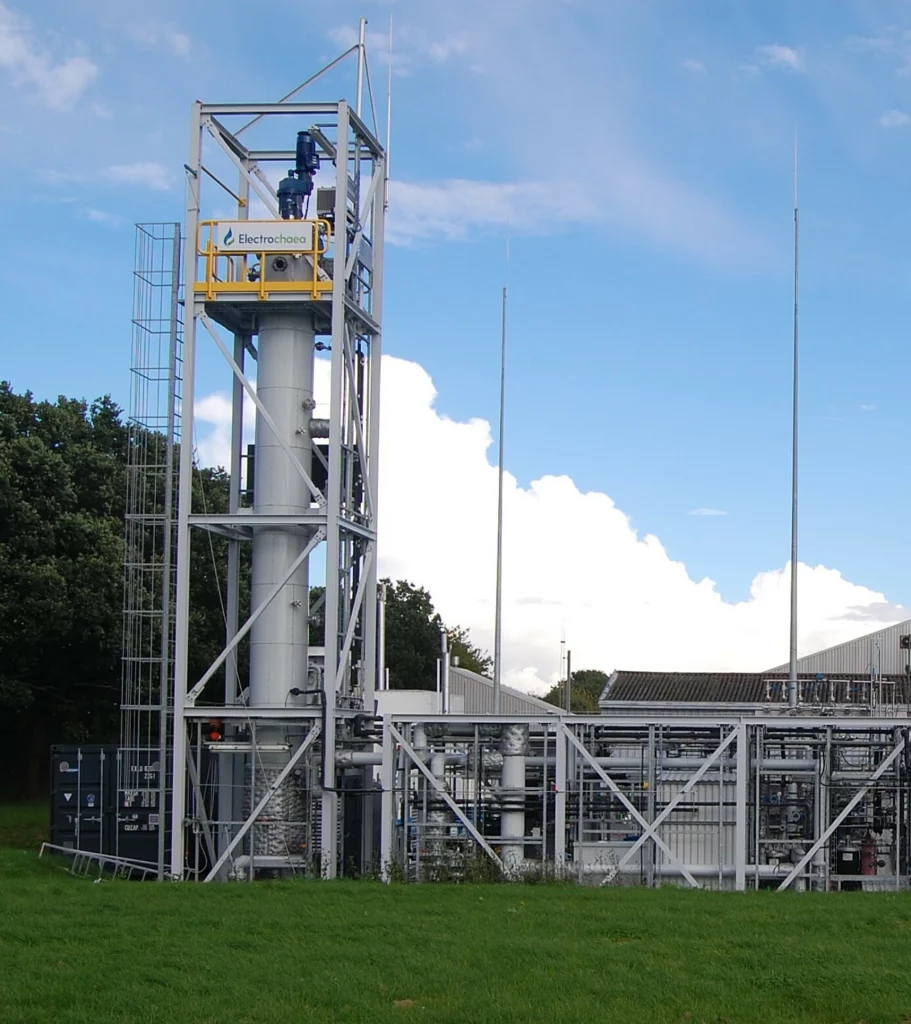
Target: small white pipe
x=361 y=60
x=444 y=672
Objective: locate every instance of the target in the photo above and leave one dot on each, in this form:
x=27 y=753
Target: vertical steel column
x=371 y=410
x=652 y=769
x=387 y=814
x=560 y=784
x=740 y=813
x=226 y=762
x=333 y=670
x=184 y=508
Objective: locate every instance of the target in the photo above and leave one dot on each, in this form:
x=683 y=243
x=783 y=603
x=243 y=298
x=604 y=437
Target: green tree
x=413 y=630
x=587 y=685
x=63 y=472
x=62 y=488
x=470 y=656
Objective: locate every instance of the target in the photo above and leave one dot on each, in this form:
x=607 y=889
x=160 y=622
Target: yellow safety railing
x=227 y=273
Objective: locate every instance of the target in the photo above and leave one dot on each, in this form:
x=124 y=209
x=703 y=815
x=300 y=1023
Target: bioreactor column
x=278 y=648
x=278 y=639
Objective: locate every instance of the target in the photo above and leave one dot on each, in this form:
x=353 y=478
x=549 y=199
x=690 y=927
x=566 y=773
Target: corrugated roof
x=881 y=649
x=478 y=693
x=748 y=687
x=710 y=687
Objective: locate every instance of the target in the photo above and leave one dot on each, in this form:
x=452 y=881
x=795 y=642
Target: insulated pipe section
x=514 y=748
x=492 y=761
x=278 y=639
x=437 y=809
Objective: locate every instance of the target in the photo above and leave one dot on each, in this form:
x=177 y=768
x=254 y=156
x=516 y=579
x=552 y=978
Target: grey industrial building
x=871 y=674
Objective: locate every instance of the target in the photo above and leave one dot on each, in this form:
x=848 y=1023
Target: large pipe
x=514 y=748
x=493 y=761
x=697 y=870
x=284 y=384
x=279 y=637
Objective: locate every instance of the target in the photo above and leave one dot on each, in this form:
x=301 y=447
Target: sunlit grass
x=74 y=951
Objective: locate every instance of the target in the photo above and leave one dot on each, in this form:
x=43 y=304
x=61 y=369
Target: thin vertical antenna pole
x=388 y=121
x=568 y=685
x=361 y=59
x=498 y=614
x=792 y=662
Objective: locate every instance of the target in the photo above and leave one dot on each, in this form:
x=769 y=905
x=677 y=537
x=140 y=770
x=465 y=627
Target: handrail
x=238 y=264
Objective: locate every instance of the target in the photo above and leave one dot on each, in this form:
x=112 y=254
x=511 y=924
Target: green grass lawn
x=295 y=953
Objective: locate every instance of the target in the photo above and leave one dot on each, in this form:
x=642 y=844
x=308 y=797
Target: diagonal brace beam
x=261 y=409
x=267 y=796
x=621 y=796
x=352 y=620
x=358 y=422
x=317 y=538
x=441 y=789
x=216 y=131
x=652 y=829
x=203 y=817
x=378 y=176
x=656 y=824
x=852 y=803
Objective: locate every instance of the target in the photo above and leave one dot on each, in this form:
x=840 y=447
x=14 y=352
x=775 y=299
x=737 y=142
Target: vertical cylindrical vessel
x=284 y=384
x=278 y=639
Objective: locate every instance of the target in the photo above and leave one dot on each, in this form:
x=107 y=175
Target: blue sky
x=640 y=156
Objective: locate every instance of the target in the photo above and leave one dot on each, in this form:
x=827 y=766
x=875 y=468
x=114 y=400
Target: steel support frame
x=737 y=754
x=651 y=829
x=345 y=516
x=886 y=763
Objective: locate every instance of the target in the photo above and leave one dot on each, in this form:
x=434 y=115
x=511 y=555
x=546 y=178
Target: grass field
x=296 y=953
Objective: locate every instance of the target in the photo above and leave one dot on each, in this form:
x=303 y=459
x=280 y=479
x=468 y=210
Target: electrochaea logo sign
x=263 y=236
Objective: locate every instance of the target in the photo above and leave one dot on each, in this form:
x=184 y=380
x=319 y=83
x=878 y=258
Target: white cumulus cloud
x=145 y=173
x=894 y=119
x=162 y=36
x=456 y=208
x=58 y=83
x=774 y=55
x=572 y=559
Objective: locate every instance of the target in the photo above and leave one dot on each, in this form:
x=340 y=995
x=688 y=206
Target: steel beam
x=184 y=508
x=441 y=789
x=634 y=811
x=262 y=411
x=387 y=813
x=248 y=625
x=651 y=831
x=740 y=814
x=852 y=803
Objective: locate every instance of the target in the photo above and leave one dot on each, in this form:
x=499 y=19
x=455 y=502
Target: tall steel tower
x=293 y=271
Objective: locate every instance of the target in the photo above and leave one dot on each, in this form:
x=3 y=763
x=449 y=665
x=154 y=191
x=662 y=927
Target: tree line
x=63 y=483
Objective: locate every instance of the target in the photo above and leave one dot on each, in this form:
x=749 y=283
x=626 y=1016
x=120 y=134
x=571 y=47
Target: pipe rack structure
x=719 y=802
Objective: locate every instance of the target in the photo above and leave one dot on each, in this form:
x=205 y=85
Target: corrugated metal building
x=871 y=673
x=469 y=694
x=707 y=693
x=879 y=652
x=477 y=693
